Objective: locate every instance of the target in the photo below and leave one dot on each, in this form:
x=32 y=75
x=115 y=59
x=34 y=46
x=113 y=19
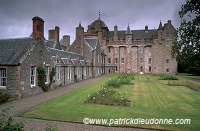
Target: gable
x=12 y=50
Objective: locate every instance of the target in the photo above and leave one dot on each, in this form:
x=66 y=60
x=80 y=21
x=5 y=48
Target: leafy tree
x=187 y=47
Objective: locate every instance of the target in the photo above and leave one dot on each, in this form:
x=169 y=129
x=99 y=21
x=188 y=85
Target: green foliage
x=3 y=98
x=104 y=94
x=187 y=47
x=107 y=93
x=41 y=78
x=7 y=123
x=52 y=74
x=154 y=98
x=120 y=96
x=114 y=82
x=168 y=77
x=126 y=75
x=192 y=85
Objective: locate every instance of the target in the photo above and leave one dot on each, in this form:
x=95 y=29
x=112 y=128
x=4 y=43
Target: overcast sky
x=16 y=15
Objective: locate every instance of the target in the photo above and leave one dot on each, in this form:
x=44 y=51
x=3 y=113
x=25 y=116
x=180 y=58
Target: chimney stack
x=51 y=34
x=38 y=28
x=169 y=21
x=146 y=29
x=57 y=32
x=115 y=30
x=66 y=40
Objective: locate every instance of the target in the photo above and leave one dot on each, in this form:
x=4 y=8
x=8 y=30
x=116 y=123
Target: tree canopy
x=187 y=47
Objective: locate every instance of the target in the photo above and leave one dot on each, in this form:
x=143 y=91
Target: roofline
x=10 y=64
x=135 y=30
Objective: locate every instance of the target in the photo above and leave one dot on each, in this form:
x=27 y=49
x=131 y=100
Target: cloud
x=16 y=15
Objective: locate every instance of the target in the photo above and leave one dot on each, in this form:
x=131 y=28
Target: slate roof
x=92 y=42
x=65 y=54
x=11 y=50
x=102 y=24
x=137 y=34
x=50 y=43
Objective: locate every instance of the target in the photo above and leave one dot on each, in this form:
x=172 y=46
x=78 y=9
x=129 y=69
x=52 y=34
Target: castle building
x=131 y=51
x=93 y=53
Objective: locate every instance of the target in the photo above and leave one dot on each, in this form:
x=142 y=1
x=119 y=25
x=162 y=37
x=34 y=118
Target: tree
x=187 y=47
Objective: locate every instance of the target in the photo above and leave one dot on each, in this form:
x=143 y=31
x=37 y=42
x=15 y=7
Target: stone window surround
x=5 y=77
x=109 y=60
x=116 y=60
x=149 y=68
x=149 y=61
x=33 y=76
x=122 y=60
x=109 y=50
x=141 y=60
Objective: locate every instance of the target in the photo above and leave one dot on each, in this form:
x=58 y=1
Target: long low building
x=21 y=57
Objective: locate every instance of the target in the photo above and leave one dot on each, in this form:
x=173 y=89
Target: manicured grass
x=150 y=99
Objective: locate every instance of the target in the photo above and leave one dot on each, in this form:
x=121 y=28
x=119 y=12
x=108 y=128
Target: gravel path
x=23 y=104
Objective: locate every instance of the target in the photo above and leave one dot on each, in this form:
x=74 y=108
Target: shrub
x=114 y=82
x=168 y=77
x=192 y=85
x=4 y=98
x=7 y=123
x=120 y=96
x=126 y=75
x=41 y=78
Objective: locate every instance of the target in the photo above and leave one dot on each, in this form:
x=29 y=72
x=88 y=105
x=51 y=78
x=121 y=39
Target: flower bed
x=188 y=84
x=108 y=96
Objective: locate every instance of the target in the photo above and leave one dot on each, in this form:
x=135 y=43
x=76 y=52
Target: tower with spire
x=128 y=35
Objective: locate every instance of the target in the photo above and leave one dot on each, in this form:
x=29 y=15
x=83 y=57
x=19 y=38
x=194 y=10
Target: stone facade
x=131 y=51
x=93 y=53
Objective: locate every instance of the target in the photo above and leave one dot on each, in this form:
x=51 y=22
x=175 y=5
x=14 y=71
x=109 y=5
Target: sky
x=16 y=15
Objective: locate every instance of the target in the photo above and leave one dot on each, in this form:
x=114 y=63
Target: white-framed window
x=122 y=60
x=46 y=74
x=69 y=73
x=58 y=72
x=2 y=77
x=33 y=76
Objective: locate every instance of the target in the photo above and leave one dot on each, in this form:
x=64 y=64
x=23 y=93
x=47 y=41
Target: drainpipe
x=92 y=63
x=64 y=75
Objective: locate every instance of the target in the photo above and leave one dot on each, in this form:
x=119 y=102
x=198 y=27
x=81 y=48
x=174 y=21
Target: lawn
x=149 y=99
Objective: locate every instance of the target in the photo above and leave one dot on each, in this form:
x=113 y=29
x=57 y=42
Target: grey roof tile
x=137 y=34
x=11 y=50
x=65 y=54
x=92 y=42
